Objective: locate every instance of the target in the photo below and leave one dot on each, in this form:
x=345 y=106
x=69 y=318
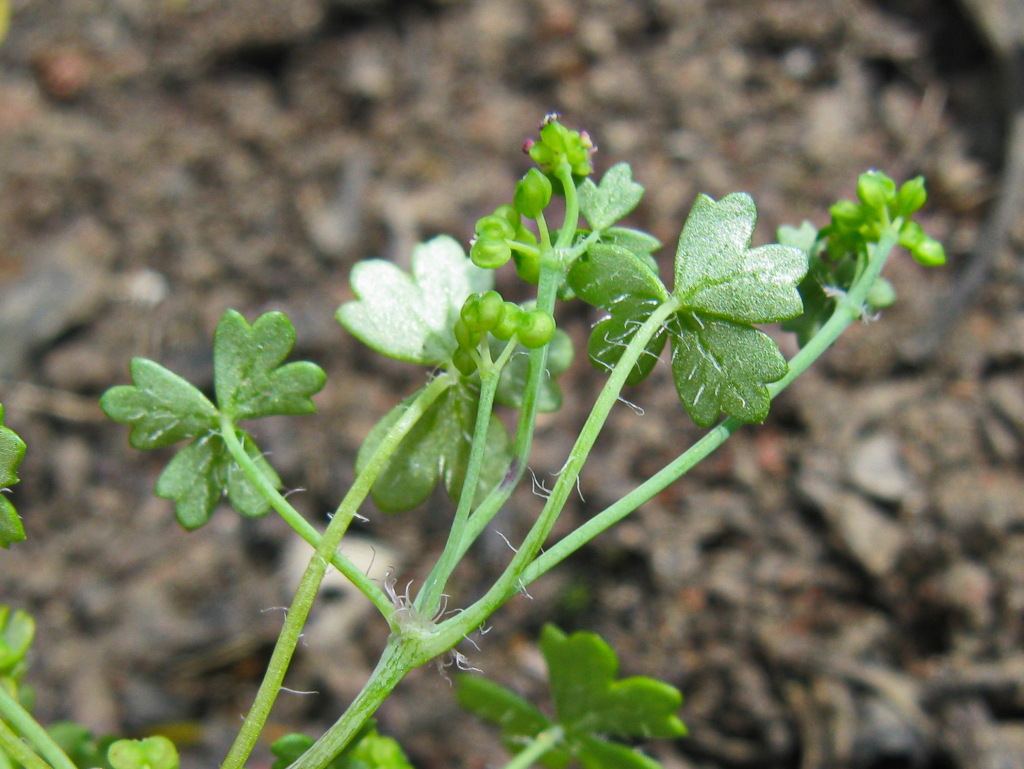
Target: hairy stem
x=847 y=312
x=302 y=602
x=429 y=597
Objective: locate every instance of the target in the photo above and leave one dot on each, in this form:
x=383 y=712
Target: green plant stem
x=538 y=746
x=302 y=602
x=294 y=519
x=395 y=662
x=848 y=310
x=429 y=596
x=16 y=720
x=510 y=581
x=16 y=749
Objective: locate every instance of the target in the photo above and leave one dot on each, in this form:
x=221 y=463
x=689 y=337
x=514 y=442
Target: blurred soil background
x=841 y=587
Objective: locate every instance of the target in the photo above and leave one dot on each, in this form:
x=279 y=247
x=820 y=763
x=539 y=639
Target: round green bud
x=533 y=193
x=464 y=362
x=489 y=310
x=911 y=235
x=508 y=325
x=528 y=267
x=495 y=227
x=490 y=253
x=929 y=252
x=911 y=198
x=876 y=190
x=846 y=214
x=508 y=212
x=466 y=337
x=536 y=328
x=881 y=294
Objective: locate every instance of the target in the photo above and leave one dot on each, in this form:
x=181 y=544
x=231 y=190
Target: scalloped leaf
x=518 y=720
x=617 y=280
x=200 y=474
x=606 y=203
x=155 y=752
x=589 y=699
x=410 y=316
x=720 y=362
x=249 y=376
x=436 y=448
x=12 y=451
x=591 y=705
x=17 y=628
x=161 y=407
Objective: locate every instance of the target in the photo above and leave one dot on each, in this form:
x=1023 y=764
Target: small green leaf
x=637 y=241
x=410 y=317
x=436 y=448
x=513 y=376
x=588 y=698
x=161 y=407
x=595 y=753
x=720 y=362
x=248 y=373
x=721 y=366
x=155 y=752
x=519 y=721
x=197 y=477
x=16 y=632
x=717 y=274
x=12 y=451
x=619 y=281
x=616 y=196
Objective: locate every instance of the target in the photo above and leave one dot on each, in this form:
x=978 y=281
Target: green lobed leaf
x=410 y=317
x=436 y=448
x=612 y=199
x=720 y=362
x=199 y=475
x=639 y=242
x=595 y=753
x=717 y=274
x=161 y=407
x=17 y=629
x=588 y=699
x=155 y=752
x=513 y=377
x=519 y=721
x=12 y=451
x=248 y=373
x=617 y=280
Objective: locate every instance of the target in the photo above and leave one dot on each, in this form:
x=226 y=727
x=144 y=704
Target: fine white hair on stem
x=522 y=589
x=539 y=488
x=361 y=518
x=636 y=409
x=510 y=545
x=297 y=691
x=296 y=490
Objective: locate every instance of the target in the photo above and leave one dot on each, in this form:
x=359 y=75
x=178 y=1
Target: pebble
x=876 y=467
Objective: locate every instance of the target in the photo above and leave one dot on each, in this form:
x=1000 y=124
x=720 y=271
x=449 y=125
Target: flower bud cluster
x=854 y=224
x=488 y=313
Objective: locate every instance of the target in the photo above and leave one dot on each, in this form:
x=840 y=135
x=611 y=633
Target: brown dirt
x=841 y=587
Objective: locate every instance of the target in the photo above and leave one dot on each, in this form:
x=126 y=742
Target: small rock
x=876 y=467
x=867 y=533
